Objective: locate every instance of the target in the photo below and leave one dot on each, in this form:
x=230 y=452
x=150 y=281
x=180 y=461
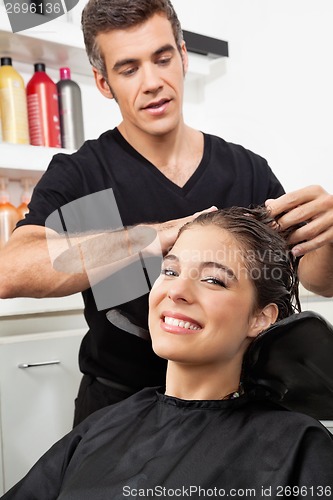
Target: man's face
x=145 y=75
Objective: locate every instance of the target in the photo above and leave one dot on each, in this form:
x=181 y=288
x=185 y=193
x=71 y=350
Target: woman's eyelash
x=215 y=281
x=169 y=272
x=209 y=279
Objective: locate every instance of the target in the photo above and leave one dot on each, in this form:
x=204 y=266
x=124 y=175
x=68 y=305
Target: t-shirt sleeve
x=59 y=185
x=275 y=187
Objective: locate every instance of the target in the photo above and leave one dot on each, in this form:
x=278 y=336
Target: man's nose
x=151 y=78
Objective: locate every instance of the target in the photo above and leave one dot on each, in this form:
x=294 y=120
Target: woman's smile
x=179 y=324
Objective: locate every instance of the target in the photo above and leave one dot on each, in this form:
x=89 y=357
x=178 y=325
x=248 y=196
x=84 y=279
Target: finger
x=308 y=246
x=320 y=225
x=291 y=200
x=206 y=211
x=300 y=214
x=311 y=236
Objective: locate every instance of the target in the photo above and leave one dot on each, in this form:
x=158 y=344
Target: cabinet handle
x=42 y=363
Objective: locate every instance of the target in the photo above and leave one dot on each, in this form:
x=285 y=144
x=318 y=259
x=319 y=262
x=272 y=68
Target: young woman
x=228 y=277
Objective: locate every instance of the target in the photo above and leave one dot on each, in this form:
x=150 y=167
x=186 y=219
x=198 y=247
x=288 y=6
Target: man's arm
x=26 y=268
x=314 y=240
x=37 y=262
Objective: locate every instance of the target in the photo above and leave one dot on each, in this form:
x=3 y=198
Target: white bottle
x=70 y=111
x=13 y=103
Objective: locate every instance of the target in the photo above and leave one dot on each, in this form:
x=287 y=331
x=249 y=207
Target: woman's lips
x=177 y=323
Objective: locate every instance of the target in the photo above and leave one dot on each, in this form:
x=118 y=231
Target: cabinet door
x=39 y=379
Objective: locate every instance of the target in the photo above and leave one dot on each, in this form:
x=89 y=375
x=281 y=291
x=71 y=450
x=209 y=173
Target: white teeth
x=180 y=323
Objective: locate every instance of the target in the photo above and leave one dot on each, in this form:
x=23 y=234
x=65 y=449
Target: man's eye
x=164 y=61
x=169 y=272
x=129 y=71
x=215 y=281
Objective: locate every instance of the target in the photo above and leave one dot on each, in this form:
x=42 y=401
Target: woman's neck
x=201 y=382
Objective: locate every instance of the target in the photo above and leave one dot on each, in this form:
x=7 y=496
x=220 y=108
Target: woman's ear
x=263 y=319
x=102 y=85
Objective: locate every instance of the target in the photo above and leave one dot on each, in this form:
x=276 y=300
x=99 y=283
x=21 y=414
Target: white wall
x=274 y=94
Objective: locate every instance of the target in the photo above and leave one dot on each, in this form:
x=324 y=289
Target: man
x=159 y=170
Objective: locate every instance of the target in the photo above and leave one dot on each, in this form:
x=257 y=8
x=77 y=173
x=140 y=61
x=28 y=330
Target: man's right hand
x=167 y=232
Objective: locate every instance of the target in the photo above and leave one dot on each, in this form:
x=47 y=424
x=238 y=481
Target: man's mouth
x=156 y=105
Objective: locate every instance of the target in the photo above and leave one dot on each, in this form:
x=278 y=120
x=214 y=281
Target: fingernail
x=296 y=251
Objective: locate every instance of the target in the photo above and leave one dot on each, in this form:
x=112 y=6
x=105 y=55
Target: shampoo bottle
x=13 y=104
x=70 y=111
x=23 y=209
x=8 y=214
x=43 y=111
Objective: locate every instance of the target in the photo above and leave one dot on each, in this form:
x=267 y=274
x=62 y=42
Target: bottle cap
x=39 y=67
x=65 y=74
x=6 y=61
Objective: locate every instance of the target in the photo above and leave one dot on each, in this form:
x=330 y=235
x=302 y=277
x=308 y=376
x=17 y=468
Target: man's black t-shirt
x=227 y=175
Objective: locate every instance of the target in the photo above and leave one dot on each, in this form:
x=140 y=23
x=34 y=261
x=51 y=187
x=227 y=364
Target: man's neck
x=176 y=154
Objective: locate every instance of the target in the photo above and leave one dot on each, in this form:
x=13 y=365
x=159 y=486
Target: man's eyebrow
x=231 y=275
x=123 y=62
x=165 y=48
x=132 y=60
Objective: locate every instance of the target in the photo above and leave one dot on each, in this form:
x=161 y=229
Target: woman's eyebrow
x=217 y=265
x=170 y=256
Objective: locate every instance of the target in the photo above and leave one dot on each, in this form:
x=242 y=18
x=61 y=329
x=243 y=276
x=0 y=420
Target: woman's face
x=202 y=307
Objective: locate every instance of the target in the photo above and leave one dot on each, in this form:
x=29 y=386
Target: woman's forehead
x=207 y=243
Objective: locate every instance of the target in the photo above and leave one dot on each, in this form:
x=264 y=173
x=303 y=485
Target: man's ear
x=102 y=85
x=263 y=319
x=184 y=56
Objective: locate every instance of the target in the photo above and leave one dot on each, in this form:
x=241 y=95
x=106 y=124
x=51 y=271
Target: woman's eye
x=215 y=281
x=169 y=272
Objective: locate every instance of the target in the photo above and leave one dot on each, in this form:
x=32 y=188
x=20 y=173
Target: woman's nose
x=181 y=289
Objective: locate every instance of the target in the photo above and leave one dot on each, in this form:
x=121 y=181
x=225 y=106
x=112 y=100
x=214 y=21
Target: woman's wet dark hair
x=265 y=251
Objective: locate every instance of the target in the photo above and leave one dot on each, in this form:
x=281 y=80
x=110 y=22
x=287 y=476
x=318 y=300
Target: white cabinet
x=39 y=379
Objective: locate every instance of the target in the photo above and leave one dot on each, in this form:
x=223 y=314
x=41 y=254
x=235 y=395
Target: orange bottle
x=8 y=215
x=23 y=209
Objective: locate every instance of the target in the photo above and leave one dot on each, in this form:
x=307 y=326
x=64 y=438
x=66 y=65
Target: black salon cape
x=154 y=446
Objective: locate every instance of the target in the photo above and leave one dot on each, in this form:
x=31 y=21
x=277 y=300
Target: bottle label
x=14 y=115
x=35 y=121
x=44 y=126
